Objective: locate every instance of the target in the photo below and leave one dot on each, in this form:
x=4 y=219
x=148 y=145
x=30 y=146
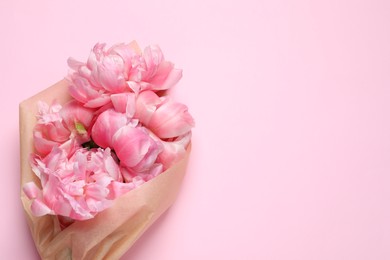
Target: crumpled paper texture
x=112 y=232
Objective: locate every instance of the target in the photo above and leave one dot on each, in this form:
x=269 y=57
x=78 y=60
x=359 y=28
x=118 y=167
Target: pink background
x=291 y=152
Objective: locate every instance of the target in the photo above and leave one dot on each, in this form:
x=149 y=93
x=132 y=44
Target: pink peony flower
x=76 y=117
x=171 y=119
x=121 y=68
x=50 y=130
x=135 y=148
x=132 y=144
x=77 y=187
x=108 y=69
x=165 y=118
x=156 y=72
x=59 y=126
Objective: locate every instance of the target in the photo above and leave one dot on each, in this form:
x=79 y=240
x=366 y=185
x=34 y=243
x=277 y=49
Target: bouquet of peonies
x=103 y=153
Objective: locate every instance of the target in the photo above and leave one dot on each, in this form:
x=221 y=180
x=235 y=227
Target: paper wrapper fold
x=112 y=232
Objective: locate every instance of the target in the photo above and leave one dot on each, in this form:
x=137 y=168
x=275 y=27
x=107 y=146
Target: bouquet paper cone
x=111 y=232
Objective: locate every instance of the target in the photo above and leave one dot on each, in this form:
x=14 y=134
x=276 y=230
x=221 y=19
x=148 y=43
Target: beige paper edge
x=112 y=232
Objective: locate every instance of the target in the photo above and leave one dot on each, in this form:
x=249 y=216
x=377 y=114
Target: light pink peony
x=121 y=68
x=156 y=72
x=135 y=148
x=50 y=130
x=59 y=126
x=77 y=187
x=164 y=117
x=76 y=117
x=171 y=119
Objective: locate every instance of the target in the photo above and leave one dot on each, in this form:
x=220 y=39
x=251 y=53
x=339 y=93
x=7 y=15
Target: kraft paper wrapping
x=111 y=232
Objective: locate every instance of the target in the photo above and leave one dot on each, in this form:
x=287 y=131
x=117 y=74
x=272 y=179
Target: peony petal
x=128 y=52
x=168 y=81
x=42 y=145
x=150 y=157
x=112 y=168
x=173 y=151
x=98 y=102
x=97 y=205
x=48 y=114
x=134 y=86
x=72 y=207
x=146 y=104
x=39 y=208
x=95 y=55
x=117 y=189
x=31 y=190
x=119 y=101
x=170 y=120
x=124 y=103
x=75 y=64
x=165 y=77
x=76 y=188
x=73 y=112
x=110 y=74
x=106 y=125
x=130 y=145
x=80 y=165
x=81 y=90
x=55 y=158
x=95 y=191
x=162 y=72
x=153 y=56
x=155 y=170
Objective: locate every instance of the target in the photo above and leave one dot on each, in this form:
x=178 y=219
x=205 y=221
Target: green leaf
x=80 y=128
